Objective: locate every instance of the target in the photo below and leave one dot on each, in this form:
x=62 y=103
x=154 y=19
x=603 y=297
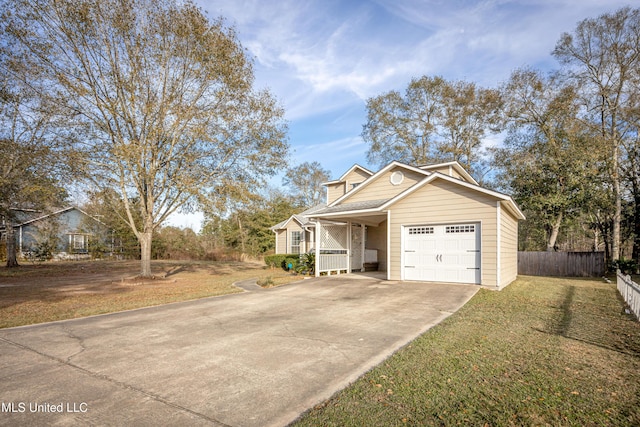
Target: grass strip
x=543 y=351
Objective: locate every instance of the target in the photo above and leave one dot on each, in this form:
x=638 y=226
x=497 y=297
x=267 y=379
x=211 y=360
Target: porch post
x=363 y=229
x=349 y=248
x=317 y=244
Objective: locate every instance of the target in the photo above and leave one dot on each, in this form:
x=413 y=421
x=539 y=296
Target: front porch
x=346 y=247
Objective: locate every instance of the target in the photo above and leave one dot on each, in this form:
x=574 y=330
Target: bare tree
x=436 y=120
x=405 y=128
x=163 y=97
x=304 y=182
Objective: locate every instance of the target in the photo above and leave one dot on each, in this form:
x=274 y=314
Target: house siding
x=381 y=188
x=356 y=176
x=335 y=191
x=508 y=248
x=442 y=202
x=377 y=239
x=281 y=241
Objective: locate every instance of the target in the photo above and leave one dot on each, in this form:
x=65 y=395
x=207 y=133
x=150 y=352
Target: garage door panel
x=444 y=253
x=466 y=259
x=429 y=246
x=468 y=244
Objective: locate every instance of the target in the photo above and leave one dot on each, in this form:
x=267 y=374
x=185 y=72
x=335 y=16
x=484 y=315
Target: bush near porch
x=543 y=351
x=282 y=261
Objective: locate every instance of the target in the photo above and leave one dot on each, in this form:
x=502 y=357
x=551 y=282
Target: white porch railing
x=333 y=262
x=630 y=291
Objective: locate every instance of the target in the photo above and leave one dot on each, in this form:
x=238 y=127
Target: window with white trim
x=78 y=242
x=296 y=237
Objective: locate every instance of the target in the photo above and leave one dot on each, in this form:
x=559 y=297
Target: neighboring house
x=429 y=223
x=71 y=231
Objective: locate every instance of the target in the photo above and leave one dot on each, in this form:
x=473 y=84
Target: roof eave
x=457 y=166
x=438 y=175
x=346 y=213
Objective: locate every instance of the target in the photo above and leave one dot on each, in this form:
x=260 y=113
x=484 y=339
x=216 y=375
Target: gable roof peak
x=453 y=165
x=354 y=167
x=58 y=212
x=343 y=177
x=374 y=176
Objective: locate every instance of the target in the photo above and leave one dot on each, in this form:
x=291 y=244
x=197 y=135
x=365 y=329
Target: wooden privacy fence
x=567 y=264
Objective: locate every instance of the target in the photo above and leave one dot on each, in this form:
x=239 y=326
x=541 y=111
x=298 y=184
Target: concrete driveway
x=258 y=358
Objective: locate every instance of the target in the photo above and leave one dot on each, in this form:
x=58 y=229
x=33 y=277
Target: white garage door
x=442 y=253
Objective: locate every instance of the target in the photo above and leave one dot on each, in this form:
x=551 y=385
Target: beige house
x=428 y=223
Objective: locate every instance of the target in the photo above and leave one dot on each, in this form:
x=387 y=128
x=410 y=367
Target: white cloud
x=322 y=58
x=315 y=47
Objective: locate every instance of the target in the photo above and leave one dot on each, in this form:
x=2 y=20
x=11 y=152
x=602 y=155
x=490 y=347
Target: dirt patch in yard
x=35 y=293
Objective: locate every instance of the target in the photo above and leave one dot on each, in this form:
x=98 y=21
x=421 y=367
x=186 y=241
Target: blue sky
x=322 y=59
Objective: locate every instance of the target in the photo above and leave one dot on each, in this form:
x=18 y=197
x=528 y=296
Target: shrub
x=43 y=251
x=283 y=261
x=307 y=263
x=290 y=263
x=266 y=282
x=626 y=266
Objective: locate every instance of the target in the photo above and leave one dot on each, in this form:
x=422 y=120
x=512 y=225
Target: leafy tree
x=161 y=99
x=548 y=162
x=436 y=120
x=106 y=206
x=247 y=227
x=405 y=128
x=304 y=182
x=177 y=243
x=46 y=240
x=603 y=57
x=30 y=162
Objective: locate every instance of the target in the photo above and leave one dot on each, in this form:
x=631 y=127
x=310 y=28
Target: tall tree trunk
x=145 y=253
x=615 y=239
x=606 y=237
x=12 y=260
x=555 y=230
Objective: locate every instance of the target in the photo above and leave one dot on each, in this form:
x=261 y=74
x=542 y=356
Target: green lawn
x=544 y=351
